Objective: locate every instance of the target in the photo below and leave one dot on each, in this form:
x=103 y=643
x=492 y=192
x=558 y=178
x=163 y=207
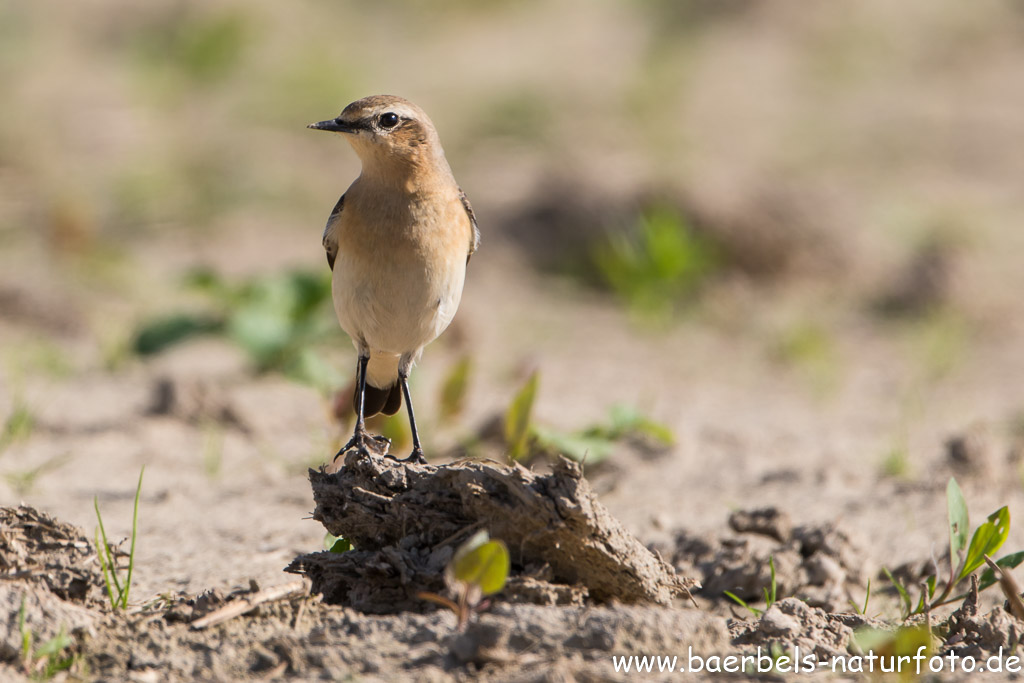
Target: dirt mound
x=48 y=554
x=820 y=563
x=50 y=577
x=970 y=634
x=793 y=623
x=405 y=520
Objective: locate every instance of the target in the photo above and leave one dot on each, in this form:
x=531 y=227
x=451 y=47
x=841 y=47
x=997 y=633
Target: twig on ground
x=240 y=606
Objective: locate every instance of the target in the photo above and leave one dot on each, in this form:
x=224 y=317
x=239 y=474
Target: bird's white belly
x=395 y=310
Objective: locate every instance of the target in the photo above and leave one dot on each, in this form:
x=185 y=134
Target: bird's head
x=386 y=130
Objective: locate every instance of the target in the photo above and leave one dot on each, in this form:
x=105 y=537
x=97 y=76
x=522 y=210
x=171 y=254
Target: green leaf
x=308 y=291
x=581 y=448
x=655 y=265
x=959 y=526
x=482 y=562
x=207 y=281
x=55 y=645
x=625 y=421
x=743 y=603
x=262 y=330
x=453 y=390
x=654 y=430
x=18 y=426
x=870 y=639
x=162 y=333
x=337 y=544
x=309 y=367
x=517 y=419
x=988 y=577
x=910 y=639
x=920 y=605
x=904 y=595
x=904 y=641
x=987 y=539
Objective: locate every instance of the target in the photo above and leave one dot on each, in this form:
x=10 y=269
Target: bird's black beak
x=335 y=126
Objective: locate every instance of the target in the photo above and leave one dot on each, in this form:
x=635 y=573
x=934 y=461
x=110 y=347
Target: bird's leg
x=417 y=451
x=359 y=436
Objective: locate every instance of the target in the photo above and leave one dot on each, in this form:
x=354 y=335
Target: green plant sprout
x=964 y=558
x=23 y=481
x=276 y=320
x=905 y=641
x=479 y=568
x=18 y=426
x=665 y=261
x=770 y=594
x=596 y=443
x=47 y=660
x=810 y=349
x=116 y=590
x=867 y=597
x=517 y=419
x=337 y=544
x=454 y=388
x=592 y=445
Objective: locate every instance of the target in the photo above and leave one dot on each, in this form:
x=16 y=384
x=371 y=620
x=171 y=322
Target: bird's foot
x=416 y=457
x=365 y=444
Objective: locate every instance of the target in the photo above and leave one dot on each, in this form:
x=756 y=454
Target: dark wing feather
x=474 y=240
x=330 y=240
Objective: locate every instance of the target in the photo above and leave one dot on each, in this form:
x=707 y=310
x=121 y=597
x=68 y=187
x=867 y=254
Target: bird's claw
x=364 y=444
x=416 y=457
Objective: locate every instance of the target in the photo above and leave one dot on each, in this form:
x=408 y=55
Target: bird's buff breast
x=396 y=302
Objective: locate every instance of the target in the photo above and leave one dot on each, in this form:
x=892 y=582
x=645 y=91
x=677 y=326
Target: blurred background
x=733 y=251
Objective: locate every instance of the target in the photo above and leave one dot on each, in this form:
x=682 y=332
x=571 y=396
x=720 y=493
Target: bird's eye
x=388 y=120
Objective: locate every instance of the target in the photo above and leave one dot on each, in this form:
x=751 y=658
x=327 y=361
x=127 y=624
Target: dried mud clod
x=405 y=521
x=47 y=553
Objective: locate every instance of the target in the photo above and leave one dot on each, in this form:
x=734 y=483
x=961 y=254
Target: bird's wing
x=474 y=239
x=330 y=237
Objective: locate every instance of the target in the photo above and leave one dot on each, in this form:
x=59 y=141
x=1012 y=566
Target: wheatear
x=398 y=242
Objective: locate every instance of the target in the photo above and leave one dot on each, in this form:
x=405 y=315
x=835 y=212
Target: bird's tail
x=387 y=400
x=383 y=392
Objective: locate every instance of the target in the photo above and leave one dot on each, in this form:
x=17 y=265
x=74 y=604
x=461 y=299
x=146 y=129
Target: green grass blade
x=904 y=595
x=106 y=573
x=26 y=633
x=517 y=419
x=959 y=524
x=131 y=550
x=108 y=554
x=743 y=603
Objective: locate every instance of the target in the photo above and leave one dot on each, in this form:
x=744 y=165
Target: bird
x=398 y=243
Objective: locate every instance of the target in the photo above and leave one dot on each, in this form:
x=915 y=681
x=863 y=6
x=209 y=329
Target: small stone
x=776 y=623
